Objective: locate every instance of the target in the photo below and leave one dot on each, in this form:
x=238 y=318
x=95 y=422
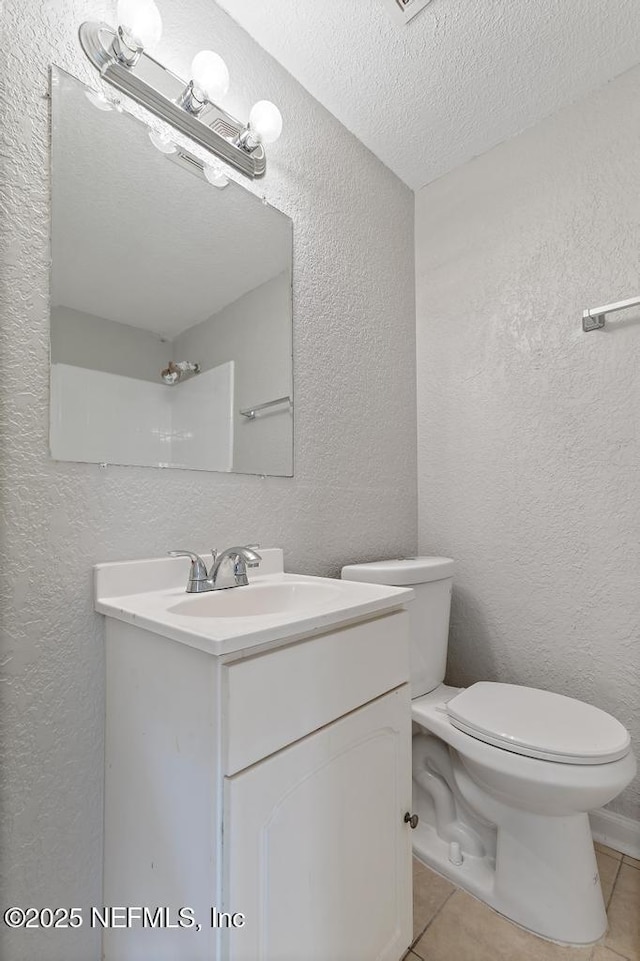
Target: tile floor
x=450 y=925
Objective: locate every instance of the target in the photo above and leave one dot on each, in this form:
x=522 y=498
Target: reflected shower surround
x=189 y=426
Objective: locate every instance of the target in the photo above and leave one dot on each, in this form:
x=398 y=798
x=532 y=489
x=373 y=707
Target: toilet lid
x=538 y=724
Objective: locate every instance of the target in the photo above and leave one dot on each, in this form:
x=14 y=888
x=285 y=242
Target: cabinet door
x=316 y=852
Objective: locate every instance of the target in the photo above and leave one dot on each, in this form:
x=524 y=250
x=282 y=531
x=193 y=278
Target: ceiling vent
x=403 y=11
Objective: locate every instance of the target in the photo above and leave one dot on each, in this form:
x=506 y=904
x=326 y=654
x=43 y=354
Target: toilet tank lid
x=396 y=573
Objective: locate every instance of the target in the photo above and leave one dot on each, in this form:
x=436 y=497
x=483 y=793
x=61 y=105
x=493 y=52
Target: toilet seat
x=538 y=724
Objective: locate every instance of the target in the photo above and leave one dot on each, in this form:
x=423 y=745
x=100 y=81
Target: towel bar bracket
x=592 y=322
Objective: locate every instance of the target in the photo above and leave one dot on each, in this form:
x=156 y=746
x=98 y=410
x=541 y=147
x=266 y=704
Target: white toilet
x=503 y=775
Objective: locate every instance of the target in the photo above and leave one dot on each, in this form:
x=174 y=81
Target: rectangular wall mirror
x=171 y=306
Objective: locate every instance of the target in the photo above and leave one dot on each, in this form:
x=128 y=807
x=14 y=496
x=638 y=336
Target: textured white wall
x=529 y=437
x=353 y=494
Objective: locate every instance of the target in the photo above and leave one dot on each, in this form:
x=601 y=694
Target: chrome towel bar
x=593 y=319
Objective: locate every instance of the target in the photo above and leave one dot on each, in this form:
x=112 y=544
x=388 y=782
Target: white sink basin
x=259 y=599
x=273 y=608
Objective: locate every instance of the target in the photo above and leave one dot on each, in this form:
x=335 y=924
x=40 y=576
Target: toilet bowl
x=537 y=866
x=504 y=776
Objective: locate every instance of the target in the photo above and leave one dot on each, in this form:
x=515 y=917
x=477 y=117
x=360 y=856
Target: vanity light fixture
x=120 y=55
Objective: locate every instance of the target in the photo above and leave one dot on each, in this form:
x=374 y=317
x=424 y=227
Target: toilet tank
x=431 y=578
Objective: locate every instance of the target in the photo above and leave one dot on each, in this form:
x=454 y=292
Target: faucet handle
x=214 y=554
x=198 y=566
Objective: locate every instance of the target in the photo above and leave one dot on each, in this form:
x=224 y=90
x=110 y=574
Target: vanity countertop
x=274 y=609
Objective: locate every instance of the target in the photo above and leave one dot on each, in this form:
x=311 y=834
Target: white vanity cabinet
x=315 y=847
x=270 y=782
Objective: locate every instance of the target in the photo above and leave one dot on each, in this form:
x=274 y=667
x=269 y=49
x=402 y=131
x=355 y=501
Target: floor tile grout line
x=437 y=912
x=613 y=886
x=430 y=922
x=609 y=852
x=623 y=957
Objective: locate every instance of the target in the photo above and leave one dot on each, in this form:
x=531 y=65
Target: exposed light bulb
x=215 y=175
x=140 y=21
x=210 y=75
x=265 y=121
x=162 y=142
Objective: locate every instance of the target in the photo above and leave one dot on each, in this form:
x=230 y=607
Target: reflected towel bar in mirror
x=251 y=412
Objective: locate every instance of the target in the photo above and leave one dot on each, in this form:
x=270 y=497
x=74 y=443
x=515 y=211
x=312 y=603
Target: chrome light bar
x=159 y=90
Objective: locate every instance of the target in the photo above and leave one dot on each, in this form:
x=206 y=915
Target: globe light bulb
x=140 y=21
x=265 y=121
x=210 y=75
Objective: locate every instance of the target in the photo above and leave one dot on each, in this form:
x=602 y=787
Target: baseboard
x=616 y=831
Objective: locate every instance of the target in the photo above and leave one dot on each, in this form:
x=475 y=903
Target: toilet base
x=544 y=876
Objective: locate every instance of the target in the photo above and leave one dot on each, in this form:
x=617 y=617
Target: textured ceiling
x=458 y=79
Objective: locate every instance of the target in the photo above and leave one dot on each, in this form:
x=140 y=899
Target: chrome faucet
x=229 y=568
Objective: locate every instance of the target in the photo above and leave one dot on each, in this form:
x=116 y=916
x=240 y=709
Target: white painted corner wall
x=353 y=496
x=528 y=428
x=253 y=332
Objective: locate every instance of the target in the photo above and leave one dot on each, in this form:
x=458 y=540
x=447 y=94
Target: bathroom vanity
x=258 y=767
